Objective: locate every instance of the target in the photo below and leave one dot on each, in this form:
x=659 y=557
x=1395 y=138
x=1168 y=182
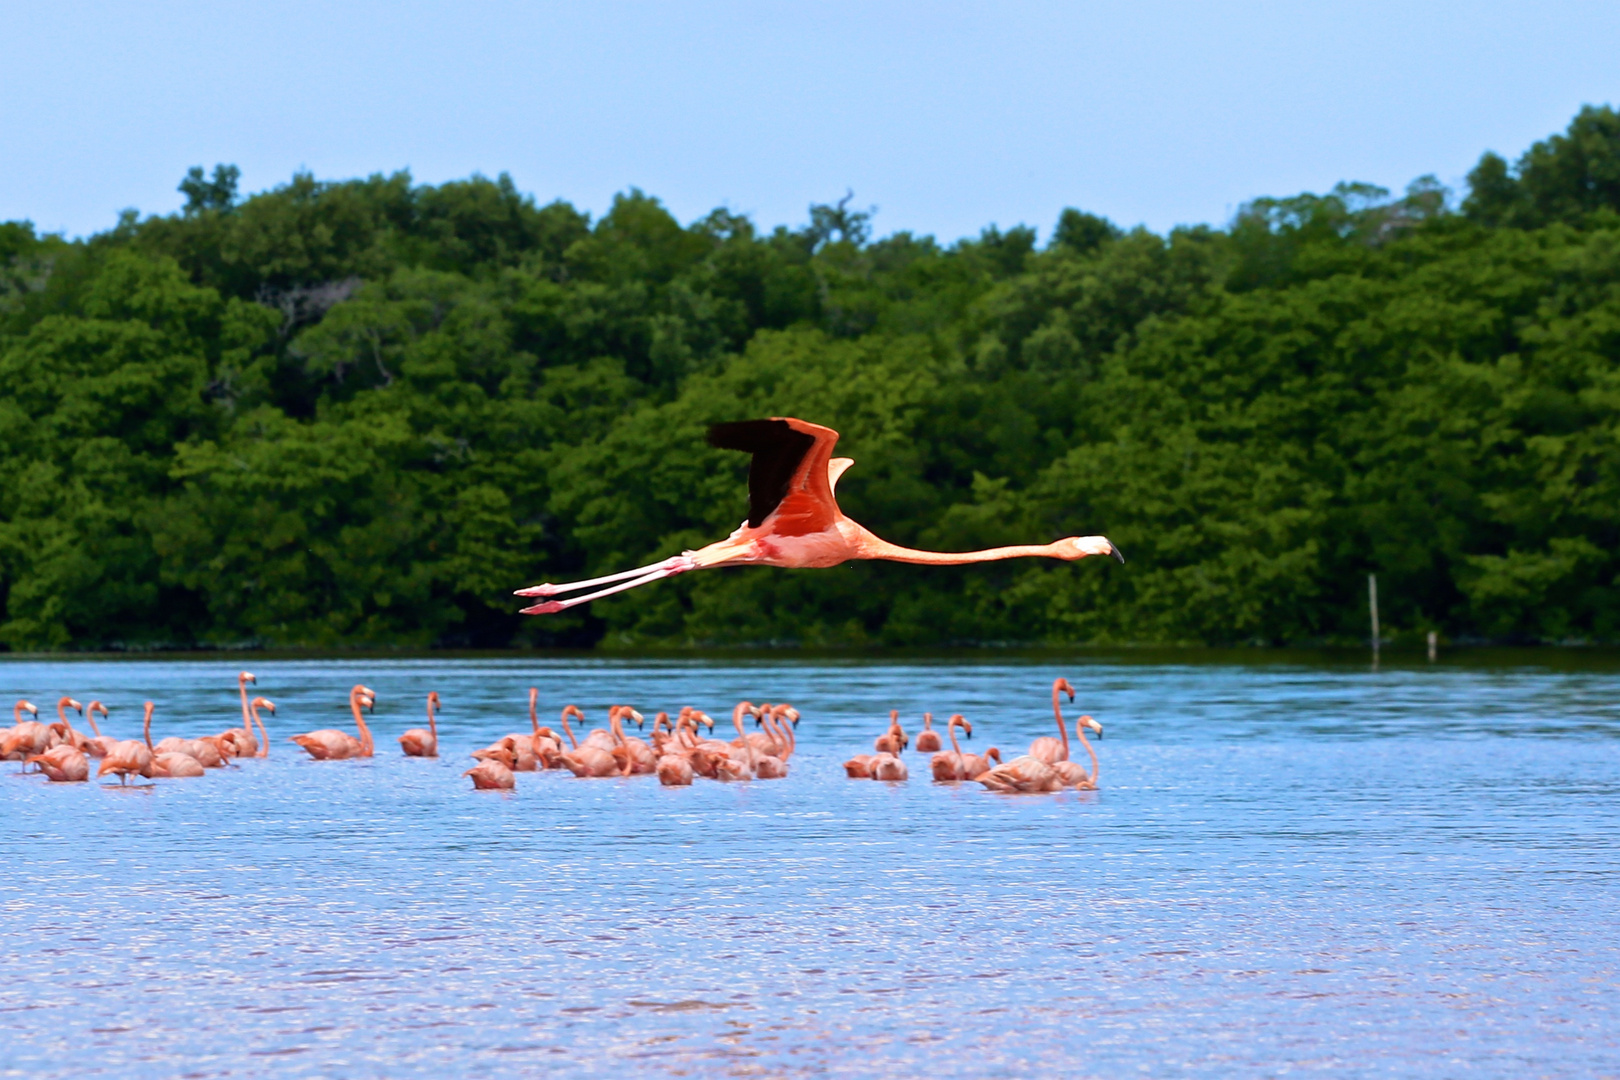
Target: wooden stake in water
x=1372 y=607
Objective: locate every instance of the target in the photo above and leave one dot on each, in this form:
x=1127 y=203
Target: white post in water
x=1434 y=645
x=1372 y=607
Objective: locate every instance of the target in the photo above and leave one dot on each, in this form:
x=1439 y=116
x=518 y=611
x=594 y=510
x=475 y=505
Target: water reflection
x=1287 y=868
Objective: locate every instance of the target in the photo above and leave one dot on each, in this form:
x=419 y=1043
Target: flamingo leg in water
x=549 y=606
x=675 y=563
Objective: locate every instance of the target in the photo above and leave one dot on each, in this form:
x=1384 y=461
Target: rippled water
x=1288 y=869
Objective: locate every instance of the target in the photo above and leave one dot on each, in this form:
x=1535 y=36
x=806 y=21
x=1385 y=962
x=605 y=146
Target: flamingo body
x=491 y=776
x=62 y=764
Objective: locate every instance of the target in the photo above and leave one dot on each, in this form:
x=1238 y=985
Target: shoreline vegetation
x=357 y=414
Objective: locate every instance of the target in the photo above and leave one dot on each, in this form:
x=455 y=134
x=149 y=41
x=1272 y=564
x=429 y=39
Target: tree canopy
x=362 y=412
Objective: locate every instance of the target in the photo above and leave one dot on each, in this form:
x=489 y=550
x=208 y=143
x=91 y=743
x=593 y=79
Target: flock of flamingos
x=677 y=751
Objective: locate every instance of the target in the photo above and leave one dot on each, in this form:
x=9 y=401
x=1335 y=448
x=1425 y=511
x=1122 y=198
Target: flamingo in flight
x=794 y=520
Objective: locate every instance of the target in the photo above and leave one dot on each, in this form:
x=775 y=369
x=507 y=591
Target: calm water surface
x=1288 y=870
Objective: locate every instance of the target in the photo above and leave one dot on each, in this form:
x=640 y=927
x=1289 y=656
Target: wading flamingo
x=177 y=764
x=928 y=739
x=586 y=759
x=330 y=744
x=1071 y=773
x=419 y=743
x=240 y=742
x=949 y=765
x=794 y=520
x=634 y=756
x=895 y=739
x=64 y=762
x=62 y=731
x=1027 y=775
x=28 y=736
x=492 y=774
x=98 y=744
x=1046 y=748
x=740 y=763
x=17 y=741
x=889 y=767
x=264 y=736
x=130 y=757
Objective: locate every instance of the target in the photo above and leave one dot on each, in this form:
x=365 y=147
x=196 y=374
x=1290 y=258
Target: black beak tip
x=1118 y=554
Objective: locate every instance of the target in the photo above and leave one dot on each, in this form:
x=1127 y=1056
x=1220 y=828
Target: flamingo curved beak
x=1113 y=549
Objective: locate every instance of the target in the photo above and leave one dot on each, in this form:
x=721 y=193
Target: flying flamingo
x=1046 y=748
x=928 y=739
x=330 y=744
x=794 y=520
x=131 y=756
x=239 y=742
x=419 y=743
x=17 y=741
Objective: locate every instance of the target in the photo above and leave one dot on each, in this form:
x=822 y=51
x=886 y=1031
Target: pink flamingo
x=330 y=744
x=419 y=743
x=1070 y=772
x=239 y=742
x=17 y=741
x=950 y=765
x=742 y=759
x=928 y=739
x=65 y=761
x=1046 y=748
x=492 y=774
x=794 y=520
x=586 y=759
x=174 y=764
x=62 y=731
x=264 y=736
x=634 y=756
x=98 y=745
x=130 y=757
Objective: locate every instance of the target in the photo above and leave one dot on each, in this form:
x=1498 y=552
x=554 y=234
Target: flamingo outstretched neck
x=794 y=520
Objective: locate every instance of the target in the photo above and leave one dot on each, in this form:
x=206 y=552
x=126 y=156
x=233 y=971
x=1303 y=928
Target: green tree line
x=360 y=413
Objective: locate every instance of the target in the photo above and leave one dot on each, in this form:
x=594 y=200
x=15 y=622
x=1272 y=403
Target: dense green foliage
x=362 y=412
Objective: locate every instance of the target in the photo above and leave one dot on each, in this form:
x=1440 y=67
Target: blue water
x=1288 y=869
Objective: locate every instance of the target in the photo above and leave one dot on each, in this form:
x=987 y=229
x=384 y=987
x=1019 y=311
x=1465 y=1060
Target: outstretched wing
x=788 y=475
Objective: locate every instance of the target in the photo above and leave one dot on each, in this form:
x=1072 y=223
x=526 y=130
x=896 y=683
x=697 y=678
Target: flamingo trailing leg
x=794 y=520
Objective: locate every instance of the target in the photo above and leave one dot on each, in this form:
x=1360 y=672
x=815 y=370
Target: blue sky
x=945 y=116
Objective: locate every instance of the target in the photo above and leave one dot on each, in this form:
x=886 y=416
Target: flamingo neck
x=366 y=746
x=950 y=730
x=264 y=735
x=146 y=726
x=1057 y=713
x=869 y=546
x=1080 y=733
x=90 y=715
x=17 y=711
x=615 y=726
x=247 y=722
x=534 y=717
x=574 y=709
x=433 y=725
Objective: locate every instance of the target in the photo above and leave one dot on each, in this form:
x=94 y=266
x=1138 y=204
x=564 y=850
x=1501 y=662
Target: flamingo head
x=365 y=695
x=69 y=703
x=96 y=707
x=1078 y=547
x=632 y=714
x=1095 y=727
x=246 y=677
x=788 y=713
x=433 y=699
x=264 y=703
x=1061 y=686
x=29 y=706
x=961 y=721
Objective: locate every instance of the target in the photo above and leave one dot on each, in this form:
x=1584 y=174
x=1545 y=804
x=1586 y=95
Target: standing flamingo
x=98 y=745
x=1046 y=748
x=17 y=741
x=586 y=759
x=264 y=736
x=330 y=744
x=949 y=765
x=64 y=762
x=794 y=520
x=419 y=743
x=634 y=756
x=130 y=757
x=62 y=731
x=240 y=742
x=928 y=739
